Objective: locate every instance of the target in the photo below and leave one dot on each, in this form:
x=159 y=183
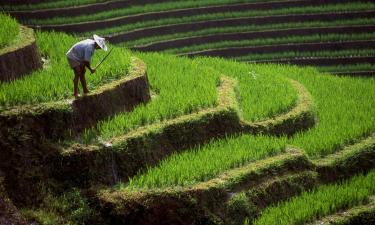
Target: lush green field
x=207 y=161
x=325 y=200
x=342 y=7
x=345 y=109
x=9 y=30
x=247 y=28
x=314 y=38
x=290 y=55
x=139 y=9
x=344 y=68
x=49 y=4
x=55 y=81
x=180 y=86
x=191 y=86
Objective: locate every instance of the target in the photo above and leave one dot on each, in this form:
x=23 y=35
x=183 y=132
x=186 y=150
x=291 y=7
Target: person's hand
x=93 y=70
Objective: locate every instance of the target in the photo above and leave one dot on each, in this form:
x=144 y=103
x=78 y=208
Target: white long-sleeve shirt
x=82 y=51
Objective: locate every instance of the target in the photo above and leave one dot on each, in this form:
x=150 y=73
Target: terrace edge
x=16 y=60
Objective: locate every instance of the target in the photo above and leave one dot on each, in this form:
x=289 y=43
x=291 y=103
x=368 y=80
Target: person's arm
x=87 y=64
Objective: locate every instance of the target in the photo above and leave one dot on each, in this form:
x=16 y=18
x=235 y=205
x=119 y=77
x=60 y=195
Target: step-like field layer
x=54 y=81
x=297 y=43
x=362 y=214
x=64 y=118
x=9 y=30
x=263 y=182
x=18 y=51
x=320 y=202
x=193 y=14
x=343 y=123
x=160 y=42
x=42 y=4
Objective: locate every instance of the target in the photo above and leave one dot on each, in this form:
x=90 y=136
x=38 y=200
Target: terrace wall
x=26 y=151
x=16 y=61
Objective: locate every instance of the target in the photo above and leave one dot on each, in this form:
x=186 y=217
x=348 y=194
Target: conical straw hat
x=100 y=41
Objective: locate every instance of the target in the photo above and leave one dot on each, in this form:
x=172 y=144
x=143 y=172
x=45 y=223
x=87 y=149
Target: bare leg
x=77 y=72
x=83 y=80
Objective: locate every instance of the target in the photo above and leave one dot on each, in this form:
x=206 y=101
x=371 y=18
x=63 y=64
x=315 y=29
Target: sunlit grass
x=9 y=30
x=246 y=28
x=205 y=162
x=323 y=201
x=55 y=81
x=313 y=38
x=341 y=7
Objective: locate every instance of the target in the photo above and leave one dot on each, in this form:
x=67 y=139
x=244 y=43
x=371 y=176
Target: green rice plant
x=207 y=161
x=342 y=7
x=344 y=107
x=290 y=55
x=257 y=89
x=273 y=41
x=54 y=81
x=348 y=68
x=9 y=30
x=324 y=200
x=345 y=110
x=181 y=86
x=49 y=4
x=139 y=9
x=246 y=28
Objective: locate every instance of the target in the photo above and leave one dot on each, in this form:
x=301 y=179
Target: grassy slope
x=248 y=28
x=342 y=7
x=181 y=86
x=139 y=9
x=54 y=82
x=184 y=86
x=50 y=4
x=345 y=109
x=323 y=201
x=9 y=30
x=313 y=38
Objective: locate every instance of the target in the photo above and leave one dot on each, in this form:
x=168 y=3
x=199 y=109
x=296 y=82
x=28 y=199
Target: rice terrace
x=187 y=112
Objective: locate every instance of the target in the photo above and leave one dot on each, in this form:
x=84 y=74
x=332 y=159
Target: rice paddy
x=54 y=81
x=49 y=4
x=320 y=202
x=205 y=17
x=343 y=107
x=246 y=28
x=316 y=38
x=9 y=30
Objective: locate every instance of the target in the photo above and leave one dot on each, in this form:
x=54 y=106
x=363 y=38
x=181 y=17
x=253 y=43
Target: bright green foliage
x=350 y=67
x=252 y=13
x=205 y=162
x=345 y=110
x=9 y=30
x=274 y=41
x=344 y=107
x=138 y=9
x=285 y=55
x=50 y=4
x=248 y=28
x=323 y=201
x=54 y=81
x=257 y=88
x=181 y=86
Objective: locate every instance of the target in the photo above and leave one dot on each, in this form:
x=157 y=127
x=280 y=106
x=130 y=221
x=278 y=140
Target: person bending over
x=79 y=58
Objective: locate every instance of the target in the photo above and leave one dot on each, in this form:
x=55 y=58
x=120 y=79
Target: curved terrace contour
x=21 y=57
x=58 y=119
x=266 y=178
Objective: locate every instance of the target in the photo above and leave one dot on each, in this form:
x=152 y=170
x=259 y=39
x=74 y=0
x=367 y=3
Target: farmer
x=79 y=57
